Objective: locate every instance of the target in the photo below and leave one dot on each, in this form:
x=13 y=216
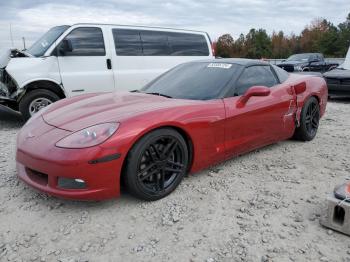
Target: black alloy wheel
x=156 y=164
x=312 y=118
x=309 y=120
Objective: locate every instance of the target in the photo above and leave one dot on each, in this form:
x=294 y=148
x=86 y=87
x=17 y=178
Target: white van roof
x=143 y=27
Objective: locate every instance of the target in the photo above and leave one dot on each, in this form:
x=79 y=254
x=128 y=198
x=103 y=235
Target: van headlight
x=89 y=137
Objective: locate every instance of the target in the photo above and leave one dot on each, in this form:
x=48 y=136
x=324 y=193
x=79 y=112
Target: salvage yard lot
x=263 y=206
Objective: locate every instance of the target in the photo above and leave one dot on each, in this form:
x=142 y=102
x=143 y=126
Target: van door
x=85 y=62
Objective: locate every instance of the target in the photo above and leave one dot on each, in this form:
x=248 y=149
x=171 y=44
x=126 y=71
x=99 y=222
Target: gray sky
x=31 y=18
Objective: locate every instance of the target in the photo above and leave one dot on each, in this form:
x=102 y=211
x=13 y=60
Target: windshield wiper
x=158 y=94
x=135 y=91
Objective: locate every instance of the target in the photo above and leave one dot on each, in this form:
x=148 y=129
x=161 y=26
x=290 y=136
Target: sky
x=32 y=18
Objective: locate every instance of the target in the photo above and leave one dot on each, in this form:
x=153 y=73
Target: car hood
x=7 y=54
x=337 y=73
x=83 y=111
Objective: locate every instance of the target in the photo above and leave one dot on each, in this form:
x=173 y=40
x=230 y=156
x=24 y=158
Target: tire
x=35 y=100
x=156 y=164
x=309 y=120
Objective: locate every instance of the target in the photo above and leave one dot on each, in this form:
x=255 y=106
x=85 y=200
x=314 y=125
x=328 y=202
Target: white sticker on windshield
x=220 y=65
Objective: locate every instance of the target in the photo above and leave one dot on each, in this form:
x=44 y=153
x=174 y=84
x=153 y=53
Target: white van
x=83 y=58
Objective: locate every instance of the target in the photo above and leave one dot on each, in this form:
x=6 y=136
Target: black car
x=310 y=62
x=338 y=81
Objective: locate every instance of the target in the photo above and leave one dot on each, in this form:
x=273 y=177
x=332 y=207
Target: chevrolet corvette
x=191 y=117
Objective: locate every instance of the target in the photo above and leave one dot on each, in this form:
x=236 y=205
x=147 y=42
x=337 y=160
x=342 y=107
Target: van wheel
x=35 y=100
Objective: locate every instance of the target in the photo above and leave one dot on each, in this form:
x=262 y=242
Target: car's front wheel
x=35 y=100
x=309 y=120
x=156 y=164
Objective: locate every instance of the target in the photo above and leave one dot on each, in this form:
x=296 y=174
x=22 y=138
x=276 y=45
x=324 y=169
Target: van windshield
x=40 y=46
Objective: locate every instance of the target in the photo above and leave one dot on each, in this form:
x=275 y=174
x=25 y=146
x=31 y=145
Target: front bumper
x=41 y=165
x=338 y=86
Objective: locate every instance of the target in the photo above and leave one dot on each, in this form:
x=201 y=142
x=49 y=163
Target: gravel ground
x=263 y=206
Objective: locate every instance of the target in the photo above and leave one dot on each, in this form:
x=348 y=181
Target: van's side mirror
x=64 y=47
x=253 y=91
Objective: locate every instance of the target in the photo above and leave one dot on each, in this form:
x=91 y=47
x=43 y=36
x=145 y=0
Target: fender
x=23 y=89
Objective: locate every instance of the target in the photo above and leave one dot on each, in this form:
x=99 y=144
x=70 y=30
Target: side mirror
x=300 y=88
x=253 y=91
x=65 y=46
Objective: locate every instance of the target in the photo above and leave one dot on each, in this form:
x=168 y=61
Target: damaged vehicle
x=91 y=58
x=307 y=62
x=338 y=80
x=206 y=111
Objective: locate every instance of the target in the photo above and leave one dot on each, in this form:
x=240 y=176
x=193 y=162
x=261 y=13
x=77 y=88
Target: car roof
x=238 y=61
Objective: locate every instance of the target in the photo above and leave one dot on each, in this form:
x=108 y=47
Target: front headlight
x=88 y=137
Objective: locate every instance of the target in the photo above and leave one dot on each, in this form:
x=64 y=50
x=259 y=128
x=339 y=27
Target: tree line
x=319 y=36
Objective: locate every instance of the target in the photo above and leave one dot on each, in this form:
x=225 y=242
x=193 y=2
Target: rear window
x=188 y=44
x=158 y=43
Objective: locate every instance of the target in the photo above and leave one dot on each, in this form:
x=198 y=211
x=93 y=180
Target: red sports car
x=191 y=117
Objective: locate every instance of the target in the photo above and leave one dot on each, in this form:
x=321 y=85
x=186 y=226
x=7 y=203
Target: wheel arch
x=301 y=105
x=43 y=84
x=185 y=135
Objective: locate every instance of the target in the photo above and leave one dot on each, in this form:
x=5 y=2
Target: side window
x=154 y=43
x=255 y=76
x=282 y=74
x=183 y=44
x=86 y=41
x=127 y=42
x=313 y=58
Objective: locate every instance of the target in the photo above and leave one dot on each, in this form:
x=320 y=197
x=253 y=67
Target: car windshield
x=196 y=81
x=299 y=57
x=40 y=46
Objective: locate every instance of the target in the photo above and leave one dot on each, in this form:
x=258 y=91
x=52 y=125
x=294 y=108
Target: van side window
x=86 y=41
x=255 y=76
x=127 y=42
x=183 y=44
x=154 y=43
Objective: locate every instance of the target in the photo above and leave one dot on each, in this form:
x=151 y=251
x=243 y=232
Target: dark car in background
x=338 y=81
x=309 y=62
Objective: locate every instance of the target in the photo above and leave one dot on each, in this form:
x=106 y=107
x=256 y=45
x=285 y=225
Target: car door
x=262 y=119
x=316 y=63
x=86 y=68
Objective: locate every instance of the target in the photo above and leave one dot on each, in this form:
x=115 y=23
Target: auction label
x=220 y=65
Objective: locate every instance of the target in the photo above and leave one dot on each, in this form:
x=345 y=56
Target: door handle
x=109 y=63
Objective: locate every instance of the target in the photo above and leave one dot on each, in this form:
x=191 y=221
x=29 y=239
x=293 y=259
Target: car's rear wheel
x=309 y=120
x=156 y=164
x=36 y=100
